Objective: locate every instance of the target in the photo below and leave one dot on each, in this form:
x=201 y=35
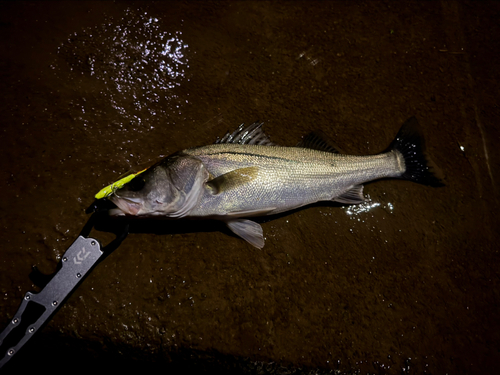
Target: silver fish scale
x=287 y=177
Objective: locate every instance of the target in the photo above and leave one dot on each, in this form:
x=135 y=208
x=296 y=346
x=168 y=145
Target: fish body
x=246 y=175
x=269 y=180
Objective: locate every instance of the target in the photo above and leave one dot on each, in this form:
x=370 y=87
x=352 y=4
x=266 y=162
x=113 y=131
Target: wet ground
x=407 y=283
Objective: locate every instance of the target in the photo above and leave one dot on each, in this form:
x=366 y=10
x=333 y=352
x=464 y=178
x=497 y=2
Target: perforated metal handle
x=37 y=308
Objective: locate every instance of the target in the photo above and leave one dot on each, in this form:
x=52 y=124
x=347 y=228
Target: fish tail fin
x=410 y=144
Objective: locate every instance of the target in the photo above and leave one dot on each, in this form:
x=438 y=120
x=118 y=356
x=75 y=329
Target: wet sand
x=407 y=283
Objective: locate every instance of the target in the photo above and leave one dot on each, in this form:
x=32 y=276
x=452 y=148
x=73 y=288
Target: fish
x=245 y=175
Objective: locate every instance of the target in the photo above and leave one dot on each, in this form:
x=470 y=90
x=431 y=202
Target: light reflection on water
x=366 y=212
x=365 y=207
x=137 y=66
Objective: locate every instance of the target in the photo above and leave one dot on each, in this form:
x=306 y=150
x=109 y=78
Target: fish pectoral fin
x=249 y=230
x=351 y=196
x=232 y=179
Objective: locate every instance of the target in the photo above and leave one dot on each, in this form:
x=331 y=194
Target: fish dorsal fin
x=352 y=196
x=233 y=179
x=316 y=141
x=249 y=135
x=249 y=230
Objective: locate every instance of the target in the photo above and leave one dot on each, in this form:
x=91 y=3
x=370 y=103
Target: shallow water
x=407 y=282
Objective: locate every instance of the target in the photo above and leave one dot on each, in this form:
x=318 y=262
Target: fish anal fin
x=352 y=196
x=232 y=179
x=249 y=230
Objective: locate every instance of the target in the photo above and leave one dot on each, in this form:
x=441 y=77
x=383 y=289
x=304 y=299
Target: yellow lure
x=108 y=190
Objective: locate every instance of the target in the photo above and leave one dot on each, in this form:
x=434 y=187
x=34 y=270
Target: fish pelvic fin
x=418 y=166
x=249 y=230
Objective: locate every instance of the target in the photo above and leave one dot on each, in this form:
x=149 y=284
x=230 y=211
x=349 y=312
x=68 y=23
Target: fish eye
x=136 y=184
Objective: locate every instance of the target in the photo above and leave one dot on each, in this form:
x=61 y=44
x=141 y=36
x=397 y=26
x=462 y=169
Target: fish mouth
x=125 y=206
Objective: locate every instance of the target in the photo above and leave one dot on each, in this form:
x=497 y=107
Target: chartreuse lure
x=110 y=189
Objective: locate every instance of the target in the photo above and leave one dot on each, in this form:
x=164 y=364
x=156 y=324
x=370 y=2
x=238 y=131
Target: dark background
x=408 y=283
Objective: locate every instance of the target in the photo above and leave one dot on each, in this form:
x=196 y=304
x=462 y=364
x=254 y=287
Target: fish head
x=170 y=188
x=148 y=193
